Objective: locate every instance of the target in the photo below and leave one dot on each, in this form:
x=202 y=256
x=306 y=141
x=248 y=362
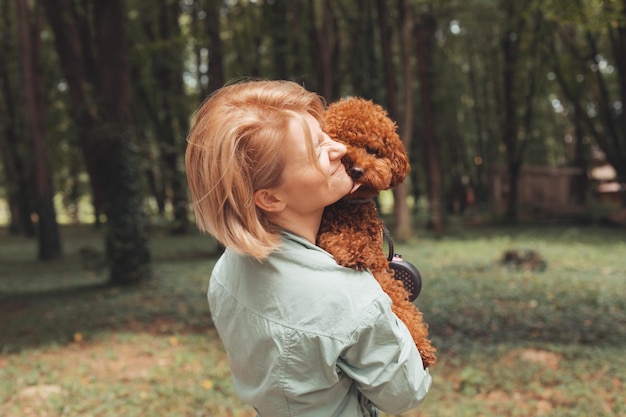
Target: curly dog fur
x=351 y=229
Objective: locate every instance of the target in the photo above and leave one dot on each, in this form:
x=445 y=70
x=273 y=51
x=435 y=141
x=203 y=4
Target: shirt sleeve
x=384 y=363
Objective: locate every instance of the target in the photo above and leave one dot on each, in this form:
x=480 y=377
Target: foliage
x=170 y=42
x=511 y=342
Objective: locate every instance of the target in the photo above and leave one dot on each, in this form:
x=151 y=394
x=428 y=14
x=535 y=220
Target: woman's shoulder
x=304 y=261
x=329 y=294
x=301 y=285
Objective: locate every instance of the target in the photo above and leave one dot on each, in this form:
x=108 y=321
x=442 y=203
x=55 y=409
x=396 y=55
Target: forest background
x=96 y=99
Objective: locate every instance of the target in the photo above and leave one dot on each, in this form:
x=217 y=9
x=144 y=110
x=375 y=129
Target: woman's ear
x=268 y=201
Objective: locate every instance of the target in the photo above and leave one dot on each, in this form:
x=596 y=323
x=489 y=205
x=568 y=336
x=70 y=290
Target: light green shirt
x=307 y=337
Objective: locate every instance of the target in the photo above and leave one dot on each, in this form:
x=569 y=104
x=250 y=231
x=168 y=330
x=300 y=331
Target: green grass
x=511 y=342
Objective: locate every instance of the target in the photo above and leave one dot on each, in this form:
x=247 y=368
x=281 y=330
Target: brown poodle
x=351 y=229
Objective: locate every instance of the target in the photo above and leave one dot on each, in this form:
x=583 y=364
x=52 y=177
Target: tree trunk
x=404 y=225
x=608 y=133
x=573 y=93
x=168 y=69
x=33 y=90
x=126 y=240
x=581 y=151
x=389 y=70
x=108 y=148
x=479 y=113
x=617 y=36
x=11 y=134
x=515 y=22
x=216 y=55
x=618 y=44
x=424 y=36
x=74 y=58
x=324 y=40
x=17 y=186
x=361 y=55
x=275 y=20
x=510 y=47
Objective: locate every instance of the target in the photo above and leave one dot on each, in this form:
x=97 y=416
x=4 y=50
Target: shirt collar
x=288 y=236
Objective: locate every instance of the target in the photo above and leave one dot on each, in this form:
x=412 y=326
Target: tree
x=215 y=49
x=127 y=247
x=588 y=60
x=519 y=87
x=424 y=37
x=360 y=44
x=567 y=73
x=612 y=139
x=325 y=36
x=12 y=131
x=105 y=124
x=164 y=98
x=404 y=226
x=74 y=45
x=33 y=91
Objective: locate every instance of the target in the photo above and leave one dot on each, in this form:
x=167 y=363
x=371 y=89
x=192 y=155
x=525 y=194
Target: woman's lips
x=339 y=168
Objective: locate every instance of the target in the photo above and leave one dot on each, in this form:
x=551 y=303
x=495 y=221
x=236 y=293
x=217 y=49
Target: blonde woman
x=304 y=336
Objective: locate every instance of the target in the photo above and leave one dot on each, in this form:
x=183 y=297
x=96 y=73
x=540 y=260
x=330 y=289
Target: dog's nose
x=356 y=173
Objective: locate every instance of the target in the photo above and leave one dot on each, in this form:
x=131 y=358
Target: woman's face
x=305 y=187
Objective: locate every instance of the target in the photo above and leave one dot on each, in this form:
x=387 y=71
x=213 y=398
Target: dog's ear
x=400 y=165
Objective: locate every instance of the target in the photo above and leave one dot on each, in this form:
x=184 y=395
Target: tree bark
x=11 y=133
x=617 y=36
x=510 y=48
x=104 y=124
x=17 y=188
x=386 y=41
x=168 y=67
x=404 y=224
x=361 y=54
x=70 y=34
x=33 y=90
x=126 y=240
x=216 y=55
x=481 y=165
x=324 y=40
x=424 y=36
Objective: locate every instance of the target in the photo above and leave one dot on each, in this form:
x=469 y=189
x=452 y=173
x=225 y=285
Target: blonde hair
x=235 y=147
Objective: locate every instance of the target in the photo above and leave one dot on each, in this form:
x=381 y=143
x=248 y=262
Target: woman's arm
x=384 y=362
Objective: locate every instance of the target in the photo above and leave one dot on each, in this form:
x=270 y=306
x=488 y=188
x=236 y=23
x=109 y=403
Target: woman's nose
x=338 y=150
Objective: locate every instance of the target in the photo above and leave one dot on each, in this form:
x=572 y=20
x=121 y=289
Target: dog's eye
x=371 y=151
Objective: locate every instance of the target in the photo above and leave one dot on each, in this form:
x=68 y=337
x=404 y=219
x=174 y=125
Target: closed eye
x=371 y=151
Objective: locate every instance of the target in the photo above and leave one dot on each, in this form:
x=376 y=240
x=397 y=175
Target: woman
x=304 y=336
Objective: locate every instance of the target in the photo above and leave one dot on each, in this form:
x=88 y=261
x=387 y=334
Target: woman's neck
x=306 y=227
